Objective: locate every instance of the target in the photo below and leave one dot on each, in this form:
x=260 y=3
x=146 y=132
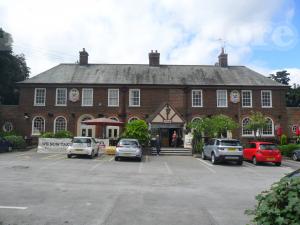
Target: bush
x=47 y=135
x=283 y=140
x=137 y=129
x=16 y=141
x=287 y=150
x=5 y=134
x=198 y=147
x=63 y=134
x=279 y=205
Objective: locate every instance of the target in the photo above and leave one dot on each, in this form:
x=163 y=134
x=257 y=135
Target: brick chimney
x=83 y=57
x=154 y=58
x=223 y=60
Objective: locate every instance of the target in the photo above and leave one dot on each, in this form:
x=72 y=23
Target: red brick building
x=166 y=96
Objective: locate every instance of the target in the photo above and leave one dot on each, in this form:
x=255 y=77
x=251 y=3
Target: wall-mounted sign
x=167 y=121
x=234 y=96
x=74 y=95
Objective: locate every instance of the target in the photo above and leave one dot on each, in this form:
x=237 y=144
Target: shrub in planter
x=279 y=205
x=287 y=150
x=63 y=134
x=16 y=141
x=283 y=140
x=47 y=135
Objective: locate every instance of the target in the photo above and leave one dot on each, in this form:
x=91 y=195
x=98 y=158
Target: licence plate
x=232 y=149
x=270 y=159
x=231 y=157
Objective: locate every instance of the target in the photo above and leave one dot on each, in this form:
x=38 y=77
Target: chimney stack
x=154 y=58
x=83 y=57
x=223 y=60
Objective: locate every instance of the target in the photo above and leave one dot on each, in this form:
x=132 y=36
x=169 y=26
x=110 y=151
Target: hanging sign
x=74 y=95
x=234 y=96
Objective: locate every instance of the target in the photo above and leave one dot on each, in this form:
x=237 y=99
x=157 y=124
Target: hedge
x=16 y=141
x=287 y=150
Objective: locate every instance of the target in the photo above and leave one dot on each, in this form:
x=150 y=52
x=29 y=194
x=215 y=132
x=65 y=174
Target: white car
x=83 y=146
x=129 y=148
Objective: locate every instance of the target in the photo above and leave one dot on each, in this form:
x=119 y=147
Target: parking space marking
x=168 y=168
x=205 y=165
x=95 y=166
x=112 y=158
x=12 y=207
x=247 y=164
x=208 y=164
x=52 y=156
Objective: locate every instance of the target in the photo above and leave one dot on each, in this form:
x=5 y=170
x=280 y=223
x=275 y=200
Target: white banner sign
x=53 y=145
x=188 y=140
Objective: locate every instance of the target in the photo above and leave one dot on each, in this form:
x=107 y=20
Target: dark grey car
x=296 y=155
x=220 y=149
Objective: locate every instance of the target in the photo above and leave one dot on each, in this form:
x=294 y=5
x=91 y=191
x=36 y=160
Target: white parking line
x=203 y=163
x=208 y=164
x=94 y=167
x=12 y=207
x=112 y=158
x=168 y=168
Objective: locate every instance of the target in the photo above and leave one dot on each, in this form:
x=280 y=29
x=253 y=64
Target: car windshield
x=268 y=147
x=128 y=142
x=81 y=140
x=230 y=143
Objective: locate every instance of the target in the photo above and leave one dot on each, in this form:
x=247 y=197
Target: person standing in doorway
x=174 y=139
x=157 y=144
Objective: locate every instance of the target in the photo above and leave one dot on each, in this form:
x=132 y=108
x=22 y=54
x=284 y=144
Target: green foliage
x=279 y=205
x=281 y=77
x=198 y=147
x=257 y=123
x=13 y=68
x=63 y=134
x=137 y=129
x=293 y=96
x=11 y=133
x=59 y=134
x=283 y=139
x=287 y=150
x=16 y=141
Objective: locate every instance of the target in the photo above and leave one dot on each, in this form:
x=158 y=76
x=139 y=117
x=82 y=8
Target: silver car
x=220 y=149
x=128 y=148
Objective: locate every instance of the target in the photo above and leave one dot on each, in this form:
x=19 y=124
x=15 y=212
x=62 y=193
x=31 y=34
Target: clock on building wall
x=74 y=95
x=234 y=96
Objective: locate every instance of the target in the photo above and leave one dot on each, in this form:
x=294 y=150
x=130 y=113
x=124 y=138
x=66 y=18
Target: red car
x=262 y=152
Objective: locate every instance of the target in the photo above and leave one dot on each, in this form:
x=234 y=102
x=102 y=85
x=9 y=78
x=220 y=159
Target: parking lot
x=40 y=189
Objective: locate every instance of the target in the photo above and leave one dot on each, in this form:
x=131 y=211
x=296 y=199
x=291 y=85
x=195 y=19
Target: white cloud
x=116 y=31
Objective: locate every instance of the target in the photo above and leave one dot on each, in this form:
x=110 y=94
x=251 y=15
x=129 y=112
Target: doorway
x=166 y=137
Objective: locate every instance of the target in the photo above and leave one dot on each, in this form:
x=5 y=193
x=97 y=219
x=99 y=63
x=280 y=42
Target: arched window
x=245 y=131
x=133 y=119
x=60 y=124
x=196 y=119
x=269 y=130
x=38 y=125
x=114 y=118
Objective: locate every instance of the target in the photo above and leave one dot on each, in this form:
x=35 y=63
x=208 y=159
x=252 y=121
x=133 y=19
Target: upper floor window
x=40 y=96
x=113 y=97
x=196 y=98
x=221 y=98
x=266 y=99
x=134 y=97
x=60 y=124
x=87 y=97
x=38 y=125
x=246 y=98
x=61 y=97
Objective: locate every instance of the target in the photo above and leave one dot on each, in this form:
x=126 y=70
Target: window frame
x=109 y=97
x=32 y=126
x=273 y=129
x=201 y=98
x=83 y=97
x=56 y=96
x=130 y=96
x=226 y=105
x=66 y=124
x=244 y=134
x=261 y=96
x=244 y=91
x=35 y=97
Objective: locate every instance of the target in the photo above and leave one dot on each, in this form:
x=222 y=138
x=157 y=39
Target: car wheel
x=240 y=162
x=295 y=157
x=213 y=159
x=254 y=161
x=139 y=159
x=92 y=154
x=69 y=156
x=203 y=155
x=278 y=163
x=116 y=158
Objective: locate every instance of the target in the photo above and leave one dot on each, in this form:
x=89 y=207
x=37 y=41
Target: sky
x=262 y=35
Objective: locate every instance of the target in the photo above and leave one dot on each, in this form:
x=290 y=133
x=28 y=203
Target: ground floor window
x=60 y=124
x=269 y=130
x=38 y=125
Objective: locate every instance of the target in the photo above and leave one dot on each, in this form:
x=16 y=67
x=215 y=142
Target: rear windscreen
x=128 y=142
x=230 y=143
x=81 y=140
x=268 y=147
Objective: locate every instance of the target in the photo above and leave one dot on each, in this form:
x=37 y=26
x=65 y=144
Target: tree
x=293 y=96
x=222 y=124
x=13 y=68
x=281 y=77
x=137 y=129
x=257 y=123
